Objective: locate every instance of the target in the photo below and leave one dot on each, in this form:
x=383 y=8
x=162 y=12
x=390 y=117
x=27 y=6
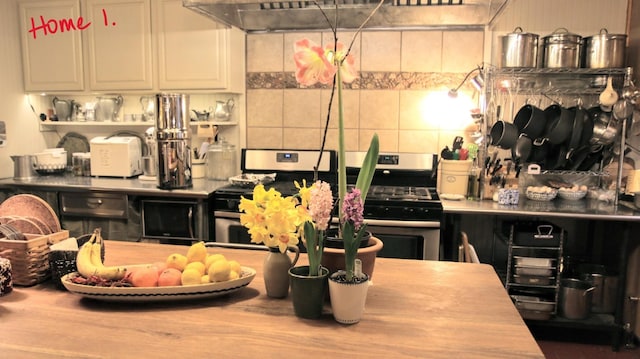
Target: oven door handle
x=398 y=223
x=228 y=215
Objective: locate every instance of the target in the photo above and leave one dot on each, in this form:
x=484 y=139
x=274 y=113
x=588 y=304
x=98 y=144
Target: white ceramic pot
x=347 y=299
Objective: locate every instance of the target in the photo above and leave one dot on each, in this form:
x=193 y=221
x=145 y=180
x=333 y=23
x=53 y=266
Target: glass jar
x=76 y=163
x=221 y=161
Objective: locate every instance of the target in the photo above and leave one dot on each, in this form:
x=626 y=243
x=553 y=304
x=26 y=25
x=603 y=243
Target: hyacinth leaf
x=314 y=254
x=365 y=176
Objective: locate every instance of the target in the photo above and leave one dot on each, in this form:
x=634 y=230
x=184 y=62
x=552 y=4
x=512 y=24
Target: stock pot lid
x=605 y=35
x=562 y=36
x=518 y=33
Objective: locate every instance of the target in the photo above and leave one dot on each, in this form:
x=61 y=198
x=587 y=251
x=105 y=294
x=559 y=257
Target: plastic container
x=454 y=176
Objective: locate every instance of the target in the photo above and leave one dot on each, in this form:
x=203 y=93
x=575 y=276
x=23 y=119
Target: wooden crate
x=30 y=258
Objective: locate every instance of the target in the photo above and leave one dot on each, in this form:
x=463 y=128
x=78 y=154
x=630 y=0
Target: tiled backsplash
x=401 y=92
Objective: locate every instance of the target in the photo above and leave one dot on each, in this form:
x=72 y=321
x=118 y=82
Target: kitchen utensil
x=23 y=167
x=530 y=120
x=605 y=127
x=609 y=96
x=148 y=108
x=576 y=132
x=223 y=110
x=522 y=149
x=503 y=134
x=539 y=150
x=559 y=123
x=63 y=108
x=604 y=50
x=107 y=108
x=202 y=115
x=457 y=143
x=575 y=298
x=519 y=49
x=561 y=49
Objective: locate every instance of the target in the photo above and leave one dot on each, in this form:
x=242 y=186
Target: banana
x=89 y=260
x=83 y=259
x=102 y=271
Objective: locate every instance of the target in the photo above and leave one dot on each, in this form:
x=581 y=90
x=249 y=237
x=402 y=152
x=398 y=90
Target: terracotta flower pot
x=333 y=258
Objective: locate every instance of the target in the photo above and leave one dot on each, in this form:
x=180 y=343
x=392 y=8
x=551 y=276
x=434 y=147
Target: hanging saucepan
x=530 y=120
x=521 y=151
x=539 y=150
x=575 y=138
x=559 y=123
x=605 y=127
x=557 y=158
x=503 y=134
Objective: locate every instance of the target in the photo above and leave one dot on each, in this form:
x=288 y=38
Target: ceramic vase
x=276 y=271
x=347 y=299
x=308 y=292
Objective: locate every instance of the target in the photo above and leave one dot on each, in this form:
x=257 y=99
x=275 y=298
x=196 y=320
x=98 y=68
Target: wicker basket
x=30 y=258
x=541 y=196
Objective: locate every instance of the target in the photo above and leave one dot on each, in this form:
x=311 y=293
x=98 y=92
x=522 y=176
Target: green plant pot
x=308 y=293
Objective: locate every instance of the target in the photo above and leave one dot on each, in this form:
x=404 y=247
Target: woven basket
x=30 y=258
x=541 y=196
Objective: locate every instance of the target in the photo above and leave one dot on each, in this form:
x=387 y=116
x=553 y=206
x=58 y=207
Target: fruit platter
x=194 y=275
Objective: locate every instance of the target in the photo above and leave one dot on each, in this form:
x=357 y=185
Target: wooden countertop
x=415 y=309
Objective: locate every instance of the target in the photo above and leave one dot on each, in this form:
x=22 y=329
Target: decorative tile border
x=366 y=81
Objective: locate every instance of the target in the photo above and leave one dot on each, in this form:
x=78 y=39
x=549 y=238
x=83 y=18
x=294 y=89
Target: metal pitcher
x=223 y=110
x=23 y=167
x=63 y=108
x=107 y=108
x=148 y=108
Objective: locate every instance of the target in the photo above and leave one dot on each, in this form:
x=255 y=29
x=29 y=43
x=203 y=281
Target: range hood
x=275 y=15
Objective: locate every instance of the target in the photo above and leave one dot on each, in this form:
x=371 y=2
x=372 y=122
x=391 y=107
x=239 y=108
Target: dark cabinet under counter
x=116 y=214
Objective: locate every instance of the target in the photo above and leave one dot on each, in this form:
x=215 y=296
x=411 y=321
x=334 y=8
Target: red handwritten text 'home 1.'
x=53 y=26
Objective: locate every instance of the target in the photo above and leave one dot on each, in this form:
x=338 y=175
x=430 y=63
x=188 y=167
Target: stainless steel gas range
x=402 y=206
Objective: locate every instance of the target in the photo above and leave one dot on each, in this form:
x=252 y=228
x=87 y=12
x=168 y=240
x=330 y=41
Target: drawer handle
x=94 y=203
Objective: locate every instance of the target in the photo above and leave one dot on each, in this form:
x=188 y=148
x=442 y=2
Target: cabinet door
x=192 y=49
x=119 y=44
x=51 y=56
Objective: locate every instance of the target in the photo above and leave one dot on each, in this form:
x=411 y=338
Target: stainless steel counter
x=202 y=188
x=582 y=209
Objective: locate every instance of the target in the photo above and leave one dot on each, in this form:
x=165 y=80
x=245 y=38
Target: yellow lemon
x=199 y=266
x=212 y=258
x=204 y=279
x=191 y=277
x=233 y=275
x=197 y=252
x=177 y=261
x=235 y=266
x=219 y=271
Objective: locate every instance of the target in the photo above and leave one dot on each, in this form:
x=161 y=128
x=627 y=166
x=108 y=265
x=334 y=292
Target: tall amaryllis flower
x=335 y=65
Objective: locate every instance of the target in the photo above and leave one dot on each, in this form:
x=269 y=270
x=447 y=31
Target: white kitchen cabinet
x=195 y=52
x=52 y=59
x=97 y=45
x=118 y=44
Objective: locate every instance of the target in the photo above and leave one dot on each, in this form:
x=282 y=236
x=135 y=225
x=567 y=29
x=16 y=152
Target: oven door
x=407 y=239
x=228 y=228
